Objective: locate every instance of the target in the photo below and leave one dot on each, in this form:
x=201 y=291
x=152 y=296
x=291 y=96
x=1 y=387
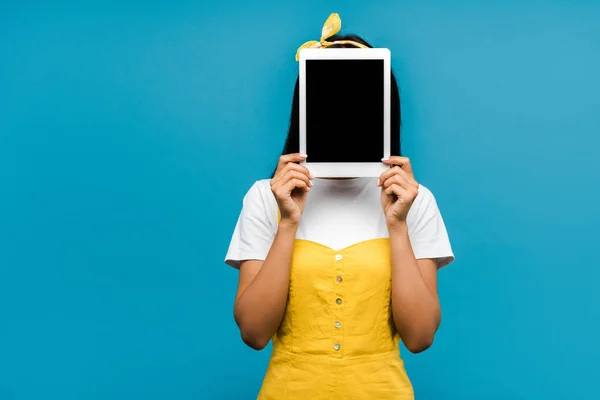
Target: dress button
x=339 y=279
x=338 y=257
x=336 y=347
x=338 y=324
x=338 y=300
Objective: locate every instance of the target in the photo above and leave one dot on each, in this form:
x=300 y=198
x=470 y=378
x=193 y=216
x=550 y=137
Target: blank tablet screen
x=344 y=110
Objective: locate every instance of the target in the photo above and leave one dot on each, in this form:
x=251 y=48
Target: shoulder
x=428 y=234
x=255 y=227
x=259 y=192
x=260 y=202
x=423 y=206
x=425 y=196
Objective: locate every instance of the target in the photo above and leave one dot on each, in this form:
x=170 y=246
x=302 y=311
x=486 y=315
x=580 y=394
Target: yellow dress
x=337 y=339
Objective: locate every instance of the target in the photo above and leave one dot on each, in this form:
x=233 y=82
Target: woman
x=338 y=276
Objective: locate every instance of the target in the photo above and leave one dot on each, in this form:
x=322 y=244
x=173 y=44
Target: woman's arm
x=263 y=289
x=415 y=305
x=263 y=285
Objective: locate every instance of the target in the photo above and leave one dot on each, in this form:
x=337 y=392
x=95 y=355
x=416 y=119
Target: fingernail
x=303 y=155
x=385 y=158
x=378 y=181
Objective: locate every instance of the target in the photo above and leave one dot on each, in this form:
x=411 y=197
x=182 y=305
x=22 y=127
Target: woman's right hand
x=290 y=185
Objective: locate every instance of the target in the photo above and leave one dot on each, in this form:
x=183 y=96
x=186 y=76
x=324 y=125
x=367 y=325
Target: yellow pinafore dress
x=337 y=339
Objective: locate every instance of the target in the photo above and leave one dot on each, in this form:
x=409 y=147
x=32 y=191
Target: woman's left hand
x=398 y=189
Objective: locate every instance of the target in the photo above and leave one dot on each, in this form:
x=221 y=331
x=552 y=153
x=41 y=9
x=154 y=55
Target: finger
x=297 y=167
x=286 y=175
x=291 y=174
x=387 y=174
x=284 y=189
x=407 y=179
x=405 y=194
x=397 y=171
x=283 y=166
x=395 y=189
x=280 y=174
x=295 y=183
x=287 y=158
x=403 y=162
x=398 y=179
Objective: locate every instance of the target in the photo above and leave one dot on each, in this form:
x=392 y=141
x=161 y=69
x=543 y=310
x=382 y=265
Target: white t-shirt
x=337 y=214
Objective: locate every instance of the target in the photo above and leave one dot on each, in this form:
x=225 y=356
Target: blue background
x=129 y=133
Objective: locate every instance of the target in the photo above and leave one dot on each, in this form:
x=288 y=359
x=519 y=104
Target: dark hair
x=292 y=142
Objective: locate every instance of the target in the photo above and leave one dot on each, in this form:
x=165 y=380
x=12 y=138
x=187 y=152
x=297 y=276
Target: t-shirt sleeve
x=427 y=231
x=254 y=231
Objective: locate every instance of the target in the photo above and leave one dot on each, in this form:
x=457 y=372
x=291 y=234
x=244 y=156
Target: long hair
x=292 y=142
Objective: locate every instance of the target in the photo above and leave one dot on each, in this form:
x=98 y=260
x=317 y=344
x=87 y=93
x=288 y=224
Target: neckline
x=343 y=249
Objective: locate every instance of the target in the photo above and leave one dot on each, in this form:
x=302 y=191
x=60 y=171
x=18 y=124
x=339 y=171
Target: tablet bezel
x=346 y=169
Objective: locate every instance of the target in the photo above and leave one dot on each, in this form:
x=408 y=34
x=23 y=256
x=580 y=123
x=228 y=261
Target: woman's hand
x=290 y=186
x=398 y=189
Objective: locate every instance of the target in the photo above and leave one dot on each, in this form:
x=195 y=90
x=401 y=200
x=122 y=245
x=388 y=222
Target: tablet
x=345 y=111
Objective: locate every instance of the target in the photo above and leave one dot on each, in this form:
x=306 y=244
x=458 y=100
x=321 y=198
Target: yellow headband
x=331 y=27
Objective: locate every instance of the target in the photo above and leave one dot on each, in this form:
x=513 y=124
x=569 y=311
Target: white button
x=338 y=257
x=336 y=347
x=338 y=324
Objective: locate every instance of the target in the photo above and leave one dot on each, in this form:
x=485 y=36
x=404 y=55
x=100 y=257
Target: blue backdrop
x=130 y=132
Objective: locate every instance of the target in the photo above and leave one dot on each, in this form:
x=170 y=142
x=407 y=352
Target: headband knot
x=332 y=26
